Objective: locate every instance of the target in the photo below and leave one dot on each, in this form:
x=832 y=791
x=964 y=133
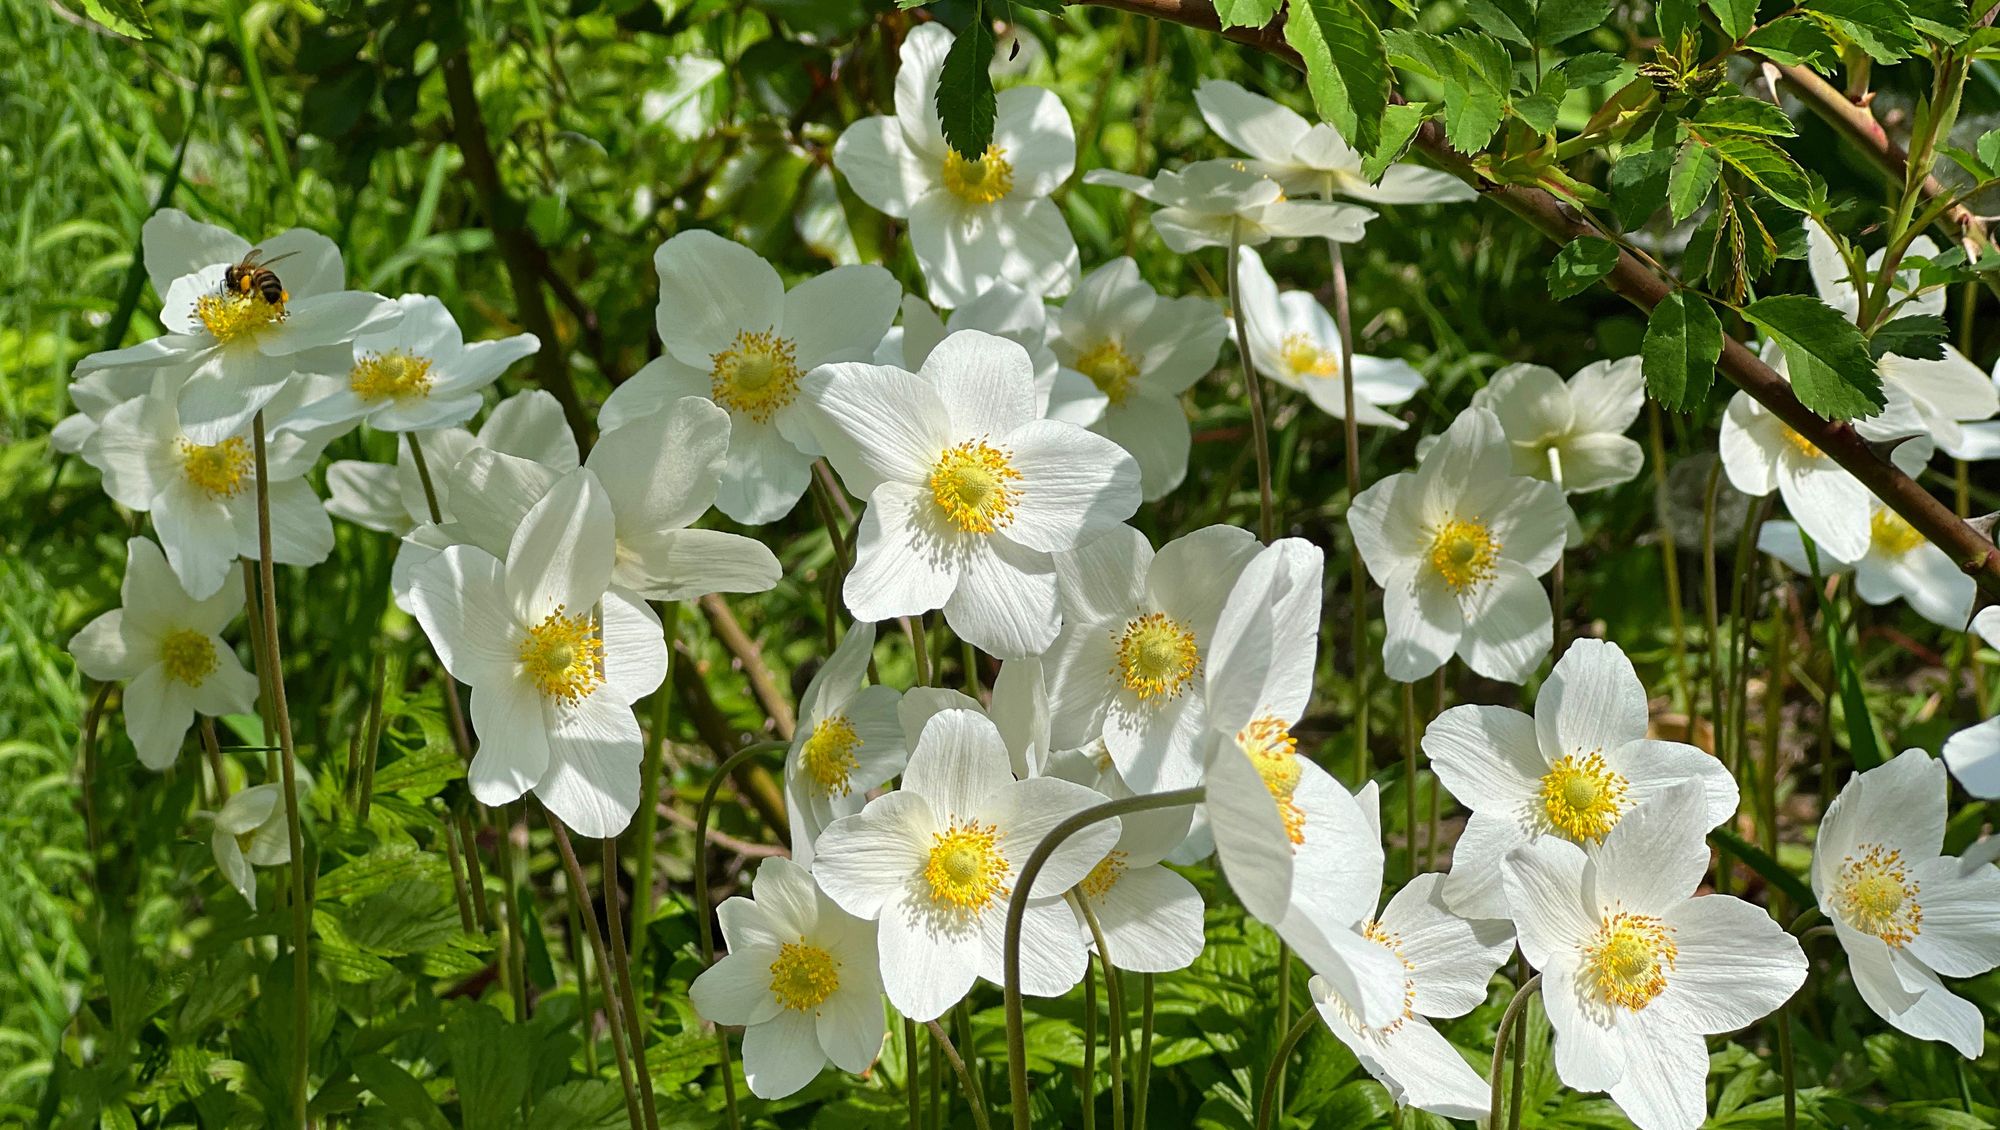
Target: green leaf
x=1795 y=41
x=1692 y=179
x=1946 y=21
x=965 y=99
x=405 y=1103
x=1853 y=702
x=1766 y=166
x=1246 y=13
x=1683 y=341
x=1736 y=16
x=1745 y=115
x=1581 y=262
x=1594 y=68
x=1882 y=28
x=1561 y=19
x=1538 y=110
x=1538 y=22
x=1347 y=66
x=1475 y=71
x=378 y=871
x=1675 y=17
x=1400 y=123
x=1989 y=148
x=491 y=1062
x=126 y=17
x=1831 y=370
x=1920 y=337
x=1639 y=185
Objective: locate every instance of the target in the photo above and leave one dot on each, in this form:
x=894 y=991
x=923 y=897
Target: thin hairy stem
x=1512 y=1021
x=941 y=1040
x=1267 y=1097
x=579 y=891
x=1114 y=999
x=621 y=980
x=1260 y=437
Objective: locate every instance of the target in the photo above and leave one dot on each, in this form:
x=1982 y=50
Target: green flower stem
x=1516 y=1011
x=1260 y=437
x=1142 y=1063
x=1114 y=999
x=211 y=747
x=1350 y=434
x=940 y=1040
x=449 y=835
x=579 y=892
x=1284 y=1017
x=371 y=739
x=1274 y=1076
x=1787 y=1068
x=704 y=918
x=621 y=981
x=1089 y=1087
x=648 y=831
x=910 y=1092
x=1670 y=561
x=1410 y=776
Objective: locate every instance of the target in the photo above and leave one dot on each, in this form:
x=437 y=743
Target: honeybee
x=254 y=276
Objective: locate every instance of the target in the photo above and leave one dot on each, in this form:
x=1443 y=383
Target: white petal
x=1546 y=898
x=986 y=384
x=1152 y=920
x=877 y=424
x=1423 y=620
x=765 y=474
x=880 y=167
x=959 y=766
x=841 y=315
x=1508 y=624
x=460 y=601
x=157 y=716
x=561 y=557
x=928 y=963
x=592 y=782
x=686 y=564
x=635 y=650
x=781 y=1055
x=513 y=737
x=1252 y=123
x=711 y=289
x=1033 y=128
x=659 y=471
x=175 y=244
x=865 y=862
x=1973 y=754
x=1592 y=701
x=1005 y=600
x=900 y=566
x=737 y=988
x=1029 y=810
x=1074 y=485
x=1734 y=966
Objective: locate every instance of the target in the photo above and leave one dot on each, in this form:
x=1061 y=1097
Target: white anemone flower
x=1636 y=970
x=1313 y=159
x=166 y=647
x=1572 y=432
x=1904 y=912
x=1295 y=342
x=848 y=742
x=1573 y=771
x=731 y=332
x=1215 y=203
x=418 y=374
x=1459 y=546
x=969 y=493
x=95 y=394
x=1973 y=754
x=1447 y=962
x=1900 y=563
x=800 y=977
x=1151 y=917
x=555 y=658
x=228 y=351
x=972 y=223
x=250 y=832
x=1019 y=707
x=1003 y=310
x=1127 y=664
x=1140 y=350
x=936 y=861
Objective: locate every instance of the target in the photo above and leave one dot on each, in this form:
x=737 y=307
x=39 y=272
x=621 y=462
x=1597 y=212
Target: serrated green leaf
x=1594 y=68
x=1475 y=71
x=1795 y=41
x=1581 y=262
x=1400 y=123
x=1347 y=66
x=1943 y=20
x=1246 y=13
x=126 y=17
x=1745 y=115
x=1683 y=341
x=1533 y=22
x=1639 y=185
x=491 y=1063
x=1831 y=370
x=1560 y=19
x=1737 y=17
x=965 y=98
x=1766 y=166
x=1692 y=179
x=1882 y=28
x=400 y=1092
x=378 y=871
x=1919 y=337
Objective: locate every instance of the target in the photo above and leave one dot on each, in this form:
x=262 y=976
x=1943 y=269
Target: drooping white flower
x=731 y=332
x=1899 y=563
x=1295 y=342
x=250 y=832
x=1636 y=971
x=1140 y=350
x=1212 y=203
x=935 y=863
x=849 y=740
x=1151 y=916
x=1313 y=159
x=1973 y=754
x=972 y=223
x=555 y=658
x=1581 y=764
x=800 y=977
x=416 y=375
x=1003 y=310
x=1458 y=546
x=1572 y=432
x=968 y=492
x=166 y=647
x=1904 y=912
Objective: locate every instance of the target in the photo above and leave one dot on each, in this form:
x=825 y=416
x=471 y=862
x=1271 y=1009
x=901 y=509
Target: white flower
x=228 y=352
x=1571 y=433
x=972 y=223
x=1151 y=917
x=555 y=658
x=1973 y=754
x=1899 y=563
x=1904 y=912
x=203 y=495
x=1137 y=628
x=95 y=394
x=968 y=492
x=799 y=977
x=166 y=647
x=1458 y=546
x=849 y=740
x=1019 y=708
x=250 y=832
x=1447 y=963
x=1003 y=310
x=418 y=374
x=731 y=332
x=1307 y=158
x=1573 y=771
x=935 y=863
x=1295 y=342
x=1140 y=351
x=1211 y=203
x=1635 y=971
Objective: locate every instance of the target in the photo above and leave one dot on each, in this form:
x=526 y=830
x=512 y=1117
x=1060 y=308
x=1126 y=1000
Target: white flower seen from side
x=1572 y=432
x=1215 y=203
x=1900 y=564
x=1151 y=916
x=1308 y=159
x=848 y=741
x=1295 y=342
x=250 y=832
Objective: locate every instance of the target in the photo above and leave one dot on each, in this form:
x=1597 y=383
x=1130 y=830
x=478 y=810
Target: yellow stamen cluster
x=828 y=756
x=1877 y=896
x=1801 y=444
x=564 y=656
x=1582 y=797
x=1891 y=535
x=395 y=375
x=1629 y=959
x=188 y=656
x=803 y=976
x=1110 y=368
x=1274 y=753
x=966 y=869
x=228 y=317
x=973 y=484
x=219 y=469
x=757 y=375
x=984 y=181
x=1104 y=876
x=1304 y=357
x=1464 y=554
x=1157 y=656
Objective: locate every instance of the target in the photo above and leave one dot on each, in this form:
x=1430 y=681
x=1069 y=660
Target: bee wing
x=263 y=262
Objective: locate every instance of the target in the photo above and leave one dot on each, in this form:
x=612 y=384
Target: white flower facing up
x=166 y=647
x=1127 y=665
x=1309 y=159
x=849 y=740
x=1973 y=754
x=1573 y=771
x=1447 y=962
x=1003 y=310
x=1636 y=971
x=1151 y=916
x=250 y=832
x=1900 y=563
x=419 y=373
x=1458 y=546
x=1140 y=350
x=972 y=223
x=969 y=493
x=800 y=977
x=1215 y=203
x=1572 y=432
x=1295 y=342
x=731 y=332
x=935 y=863
x=1906 y=913
x=555 y=658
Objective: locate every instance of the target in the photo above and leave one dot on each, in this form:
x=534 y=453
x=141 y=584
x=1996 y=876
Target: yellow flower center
x=1104 y=876
x=228 y=317
x=1110 y=368
x=1582 y=797
x=828 y=755
x=564 y=656
x=973 y=485
x=1274 y=753
x=188 y=656
x=1157 y=656
x=1629 y=959
x=1889 y=533
x=803 y=976
x=1877 y=896
x=1801 y=444
x=757 y=375
x=1464 y=553
x=984 y=181
x=966 y=870
x=1304 y=357
x=220 y=469
x=394 y=375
